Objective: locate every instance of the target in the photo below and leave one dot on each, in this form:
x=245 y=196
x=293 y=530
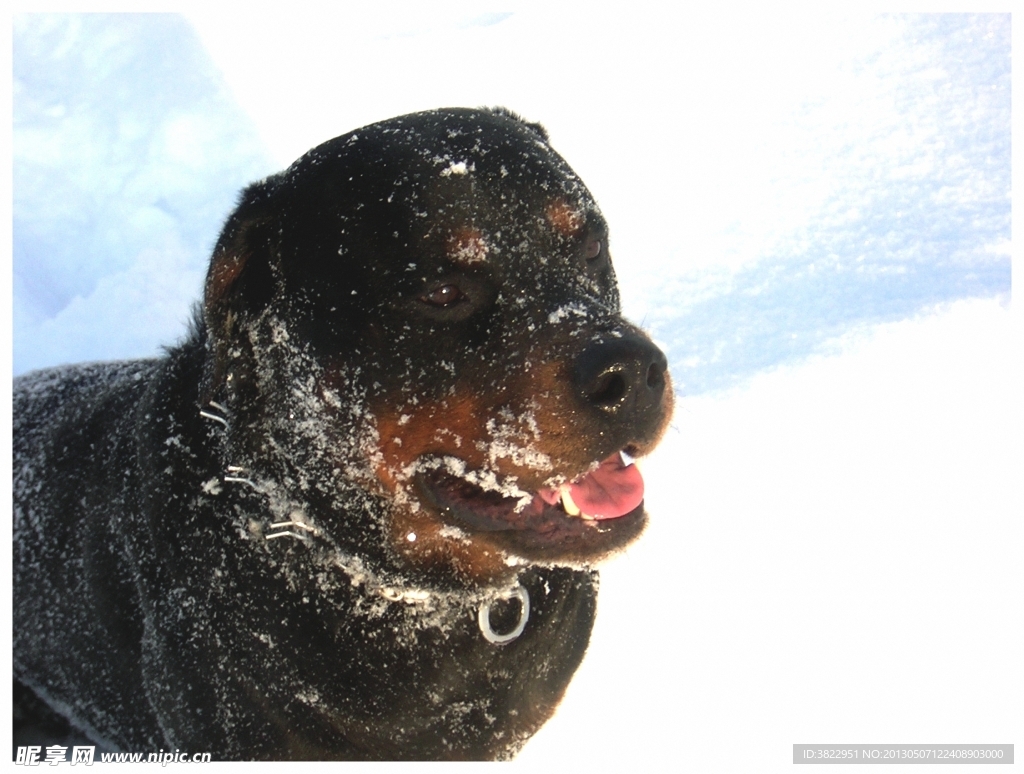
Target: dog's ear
x=240 y=280
x=538 y=129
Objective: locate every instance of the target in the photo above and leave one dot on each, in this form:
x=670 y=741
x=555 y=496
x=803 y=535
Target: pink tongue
x=611 y=491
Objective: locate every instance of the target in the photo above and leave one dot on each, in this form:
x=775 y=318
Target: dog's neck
x=280 y=520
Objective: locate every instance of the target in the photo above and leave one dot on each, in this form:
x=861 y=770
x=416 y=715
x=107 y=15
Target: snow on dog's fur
x=353 y=514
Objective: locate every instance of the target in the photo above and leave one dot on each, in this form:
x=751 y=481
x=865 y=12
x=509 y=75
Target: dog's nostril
x=610 y=390
x=655 y=376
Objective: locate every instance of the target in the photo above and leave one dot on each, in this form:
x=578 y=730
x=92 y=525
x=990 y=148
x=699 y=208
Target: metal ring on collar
x=484 y=616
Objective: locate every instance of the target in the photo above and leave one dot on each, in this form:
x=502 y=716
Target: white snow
x=455 y=168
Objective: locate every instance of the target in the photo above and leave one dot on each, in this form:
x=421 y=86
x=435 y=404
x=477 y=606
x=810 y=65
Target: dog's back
x=76 y=624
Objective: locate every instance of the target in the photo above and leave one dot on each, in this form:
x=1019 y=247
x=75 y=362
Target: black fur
x=159 y=603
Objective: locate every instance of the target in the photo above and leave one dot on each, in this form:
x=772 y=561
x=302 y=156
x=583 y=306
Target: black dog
x=353 y=514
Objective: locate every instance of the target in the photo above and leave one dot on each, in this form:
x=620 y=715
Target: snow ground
x=810 y=212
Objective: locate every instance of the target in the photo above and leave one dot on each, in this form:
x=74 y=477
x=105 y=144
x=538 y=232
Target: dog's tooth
x=567 y=503
x=587 y=517
x=626 y=459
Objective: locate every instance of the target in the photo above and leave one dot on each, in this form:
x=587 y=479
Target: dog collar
x=484 y=616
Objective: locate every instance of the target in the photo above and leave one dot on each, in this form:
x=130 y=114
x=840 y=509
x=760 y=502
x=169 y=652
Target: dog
x=354 y=513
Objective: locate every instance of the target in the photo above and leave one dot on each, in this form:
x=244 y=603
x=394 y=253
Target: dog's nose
x=623 y=376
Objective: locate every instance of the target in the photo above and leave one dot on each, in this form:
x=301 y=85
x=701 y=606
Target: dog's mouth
x=579 y=514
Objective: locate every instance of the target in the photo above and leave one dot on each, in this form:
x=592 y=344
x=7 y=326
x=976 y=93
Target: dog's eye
x=446 y=295
x=592 y=249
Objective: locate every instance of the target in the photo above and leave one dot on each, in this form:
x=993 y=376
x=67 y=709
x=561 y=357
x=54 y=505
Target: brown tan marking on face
x=524 y=430
x=467 y=245
x=450 y=427
x=566 y=218
x=532 y=434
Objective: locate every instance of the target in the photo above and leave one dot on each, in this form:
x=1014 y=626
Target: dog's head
x=425 y=309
